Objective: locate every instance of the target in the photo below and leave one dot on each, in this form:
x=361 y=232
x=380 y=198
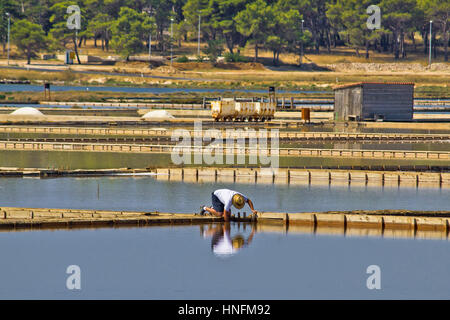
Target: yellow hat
x=238 y=241
x=238 y=201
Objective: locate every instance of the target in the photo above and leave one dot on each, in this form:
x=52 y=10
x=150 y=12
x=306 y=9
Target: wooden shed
x=374 y=101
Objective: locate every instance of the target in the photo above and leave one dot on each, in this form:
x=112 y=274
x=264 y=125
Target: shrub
x=234 y=57
x=213 y=50
x=182 y=59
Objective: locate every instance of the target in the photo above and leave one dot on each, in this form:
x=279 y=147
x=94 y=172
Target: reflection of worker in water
x=223 y=244
x=223 y=199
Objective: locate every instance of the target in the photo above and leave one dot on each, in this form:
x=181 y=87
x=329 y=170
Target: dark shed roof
x=360 y=84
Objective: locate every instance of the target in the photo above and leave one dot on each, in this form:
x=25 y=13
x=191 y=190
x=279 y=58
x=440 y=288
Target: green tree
x=222 y=14
x=316 y=21
x=28 y=37
x=255 y=21
x=398 y=18
x=288 y=29
x=214 y=49
x=129 y=31
x=350 y=17
x=161 y=11
x=439 y=12
x=100 y=27
x=195 y=8
x=11 y=7
x=60 y=35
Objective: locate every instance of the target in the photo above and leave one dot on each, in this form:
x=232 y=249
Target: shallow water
x=111 y=160
x=179 y=262
x=146 y=193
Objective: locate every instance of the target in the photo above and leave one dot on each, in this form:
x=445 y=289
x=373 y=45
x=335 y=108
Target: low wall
x=381 y=222
x=305 y=176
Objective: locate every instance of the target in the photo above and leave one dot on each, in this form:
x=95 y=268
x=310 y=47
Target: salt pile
x=158 y=114
x=27 y=111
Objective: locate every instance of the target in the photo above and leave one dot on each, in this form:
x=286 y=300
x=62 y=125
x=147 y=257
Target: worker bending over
x=222 y=200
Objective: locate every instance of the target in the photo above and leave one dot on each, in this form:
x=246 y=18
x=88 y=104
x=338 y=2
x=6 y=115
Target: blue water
x=147 y=193
x=179 y=262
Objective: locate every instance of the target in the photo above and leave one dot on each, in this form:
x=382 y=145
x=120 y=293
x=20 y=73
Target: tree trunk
x=28 y=56
x=434 y=46
x=328 y=41
x=367 y=49
x=402 y=45
x=106 y=40
x=256 y=52
x=425 y=42
x=76 y=49
x=445 y=40
x=229 y=43
x=316 y=42
x=396 y=46
x=413 y=39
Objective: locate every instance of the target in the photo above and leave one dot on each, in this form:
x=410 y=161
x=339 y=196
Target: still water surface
x=179 y=262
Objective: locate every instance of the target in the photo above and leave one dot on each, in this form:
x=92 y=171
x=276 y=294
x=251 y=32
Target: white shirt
x=226 y=197
x=224 y=247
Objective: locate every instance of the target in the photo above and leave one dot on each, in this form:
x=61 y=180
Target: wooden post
x=47 y=87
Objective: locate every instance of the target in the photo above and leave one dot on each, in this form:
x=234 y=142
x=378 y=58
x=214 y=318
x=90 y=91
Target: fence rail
x=238 y=150
x=231 y=133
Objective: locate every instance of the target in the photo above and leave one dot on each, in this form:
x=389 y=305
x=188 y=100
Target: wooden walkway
x=237 y=150
x=293 y=176
x=232 y=133
x=381 y=221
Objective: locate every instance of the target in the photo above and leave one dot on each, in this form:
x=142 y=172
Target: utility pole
x=9 y=27
x=429 y=58
x=301 y=55
x=148 y=10
x=171 y=42
x=199 y=21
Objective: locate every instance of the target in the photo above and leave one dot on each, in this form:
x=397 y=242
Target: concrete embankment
x=380 y=222
x=305 y=176
x=37 y=218
x=257 y=175
x=237 y=150
x=284 y=135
